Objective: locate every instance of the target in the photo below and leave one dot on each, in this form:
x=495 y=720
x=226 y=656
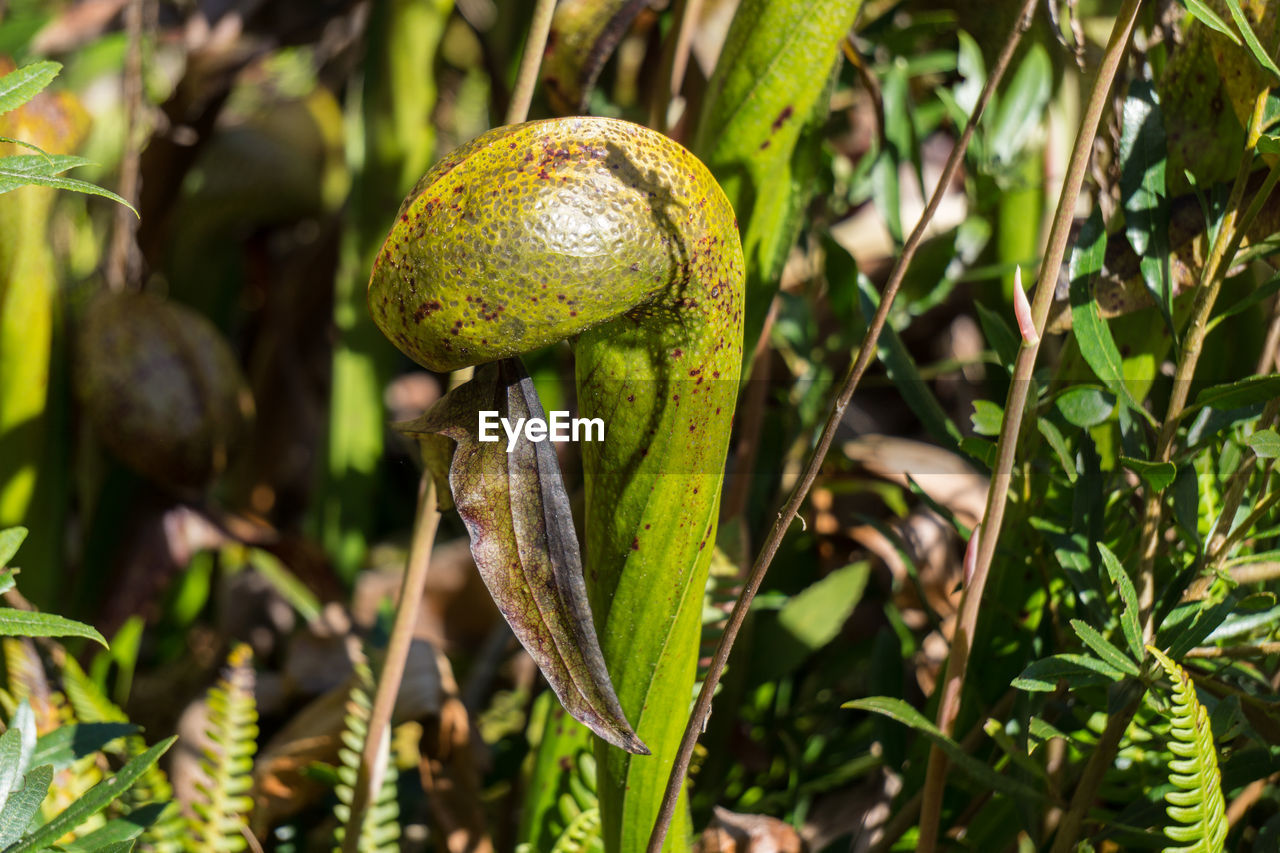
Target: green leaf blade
x=18 y=87
x=93 y=801
x=28 y=623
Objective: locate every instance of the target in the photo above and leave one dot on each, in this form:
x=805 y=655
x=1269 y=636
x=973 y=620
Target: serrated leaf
x=1129 y=619
x=1103 y=647
x=18 y=87
x=16 y=747
x=10 y=541
x=36 y=148
x=1043 y=675
x=92 y=801
x=14 y=175
x=30 y=623
x=1265 y=443
x=897 y=709
x=1251 y=38
x=40 y=164
x=516 y=510
x=1210 y=19
x=1157 y=475
x=22 y=806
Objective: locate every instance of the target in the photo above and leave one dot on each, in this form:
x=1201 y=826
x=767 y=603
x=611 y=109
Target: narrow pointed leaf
x=93 y=801
x=16 y=746
x=517 y=512
x=1233 y=395
x=1103 y=647
x=1129 y=622
x=21 y=170
x=1251 y=38
x=24 y=804
x=28 y=623
x=1202 y=12
x=10 y=541
x=121 y=830
x=1042 y=676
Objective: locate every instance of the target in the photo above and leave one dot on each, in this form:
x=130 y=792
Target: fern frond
x=1197 y=805
x=582 y=835
x=380 y=829
x=223 y=816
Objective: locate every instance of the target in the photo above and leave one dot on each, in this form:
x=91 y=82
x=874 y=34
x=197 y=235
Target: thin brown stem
x=530 y=62
x=1242 y=529
x=369 y=775
x=123 y=267
x=1099 y=763
x=866 y=352
x=1260 y=572
x=1015 y=405
x=675 y=61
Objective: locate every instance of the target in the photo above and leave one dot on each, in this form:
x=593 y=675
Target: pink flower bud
x=1022 y=310
x=971 y=554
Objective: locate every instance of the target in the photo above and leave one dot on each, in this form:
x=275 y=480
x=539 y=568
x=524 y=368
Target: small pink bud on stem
x=971 y=554
x=1022 y=310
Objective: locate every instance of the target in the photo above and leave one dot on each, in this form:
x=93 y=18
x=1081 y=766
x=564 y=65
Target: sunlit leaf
x=1251 y=38
x=1143 y=158
x=18 y=87
x=92 y=801
x=1265 y=443
x=1129 y=614
x=1092 y=333
x=1103 y=647
x=27 y=623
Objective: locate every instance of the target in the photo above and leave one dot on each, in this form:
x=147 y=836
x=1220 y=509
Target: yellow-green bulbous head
x=533 y=233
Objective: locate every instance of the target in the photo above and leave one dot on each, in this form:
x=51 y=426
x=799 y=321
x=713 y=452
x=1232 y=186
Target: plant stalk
x=371 y=770
x=530 y=62
x=1015 y=405
x=866 y=351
